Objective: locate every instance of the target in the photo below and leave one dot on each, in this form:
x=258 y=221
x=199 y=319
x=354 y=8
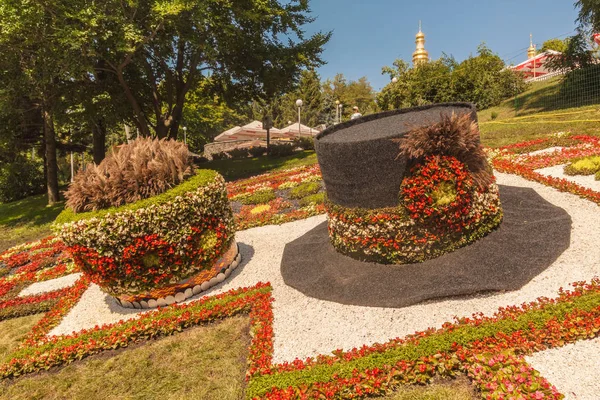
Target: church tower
x=420 y=55
x=531 y=50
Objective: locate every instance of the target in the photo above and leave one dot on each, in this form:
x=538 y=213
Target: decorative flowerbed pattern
x=512 y=159
x=23 y=265
x=489 y=350
x=155 y=243
x=281 y=201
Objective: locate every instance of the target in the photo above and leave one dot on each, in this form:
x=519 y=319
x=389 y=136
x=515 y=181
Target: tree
x=555 y=44
x=159 y=50
x=589 y=16
x=482 y=79
x=349 y=93
x=207 y=115
x=46 y=55
x=577 y=54
x=310 y=92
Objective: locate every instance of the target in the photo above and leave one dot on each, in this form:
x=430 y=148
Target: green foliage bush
x=304 y=189
x=239 y=153
x=305 y=143
x=281 y=149
x=585 y=166
x=318 y=198
x=257 y=151
x=259 y=197
x=20 y=179
x=221 y=155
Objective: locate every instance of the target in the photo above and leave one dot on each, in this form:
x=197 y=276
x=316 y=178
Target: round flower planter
x=159 y=250
x=386 y=207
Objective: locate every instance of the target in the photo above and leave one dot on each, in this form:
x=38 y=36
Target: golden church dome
x=420 y=55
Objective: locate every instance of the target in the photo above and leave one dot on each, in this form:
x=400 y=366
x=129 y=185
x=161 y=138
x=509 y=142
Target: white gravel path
x=573 y=369
x=546 y=151
x=557 y=171
x=306 y=327
x=50 y=285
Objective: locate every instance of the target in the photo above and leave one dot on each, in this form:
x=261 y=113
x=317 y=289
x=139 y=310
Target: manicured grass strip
x=13 y=331
x=201 y=363
x=443 y=341
x=55 y=351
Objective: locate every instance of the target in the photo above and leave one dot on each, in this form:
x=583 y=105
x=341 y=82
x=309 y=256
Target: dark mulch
x=532 y=236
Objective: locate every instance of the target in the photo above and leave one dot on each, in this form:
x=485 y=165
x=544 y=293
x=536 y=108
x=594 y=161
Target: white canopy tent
x=304 y=130
x=252 y=131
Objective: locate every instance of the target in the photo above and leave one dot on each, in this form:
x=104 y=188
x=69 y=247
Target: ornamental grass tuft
x=454 y=136
x=140 y=169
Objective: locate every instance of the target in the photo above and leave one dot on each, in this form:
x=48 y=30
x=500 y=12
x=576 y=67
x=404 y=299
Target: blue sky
x=368 y=35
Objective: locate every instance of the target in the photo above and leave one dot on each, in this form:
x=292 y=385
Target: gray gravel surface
x=50 y=285
x=557 y=171
x=573 y=369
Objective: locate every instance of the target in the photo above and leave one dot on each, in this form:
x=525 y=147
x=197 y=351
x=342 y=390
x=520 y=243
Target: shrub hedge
x=317 y=198
x=304 y=189
x=258 y=197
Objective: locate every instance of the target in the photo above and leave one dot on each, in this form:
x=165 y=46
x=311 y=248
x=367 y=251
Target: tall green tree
x=358 y=93
x=46 y=53
x=159 y=50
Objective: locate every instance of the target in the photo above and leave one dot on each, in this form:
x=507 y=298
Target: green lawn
x=539 y=112
x=26 y=220
x=201 y=363
x=13 y=331
x=244 y=168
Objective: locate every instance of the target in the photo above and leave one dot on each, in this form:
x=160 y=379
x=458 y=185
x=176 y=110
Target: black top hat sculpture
x=407 y=185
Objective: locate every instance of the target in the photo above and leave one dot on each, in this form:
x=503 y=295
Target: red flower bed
x=418 y=188
x=525 y=166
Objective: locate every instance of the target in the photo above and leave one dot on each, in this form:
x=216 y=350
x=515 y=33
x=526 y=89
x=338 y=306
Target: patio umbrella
x=303 y=131
x=253 y=130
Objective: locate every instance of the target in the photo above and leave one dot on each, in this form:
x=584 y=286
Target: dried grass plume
x=455 y=136
x=140 y=169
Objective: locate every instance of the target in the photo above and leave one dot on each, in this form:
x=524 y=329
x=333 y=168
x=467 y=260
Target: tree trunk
x=99 y=141
x=140 y=121
x=51 y=164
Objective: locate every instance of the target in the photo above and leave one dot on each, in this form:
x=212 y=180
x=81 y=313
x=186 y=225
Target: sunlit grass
x=13 y=331
x=201 y=363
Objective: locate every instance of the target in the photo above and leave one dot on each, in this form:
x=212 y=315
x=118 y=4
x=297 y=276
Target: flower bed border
x=509 y=162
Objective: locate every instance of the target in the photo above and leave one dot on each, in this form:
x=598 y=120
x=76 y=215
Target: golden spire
x=420 y=55
x=531 y=49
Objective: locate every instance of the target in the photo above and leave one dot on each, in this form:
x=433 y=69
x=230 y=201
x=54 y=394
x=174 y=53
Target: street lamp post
x=337 y=111
x=341 y=107
x=185 y=134
x=299 y=105
x=394 y=80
